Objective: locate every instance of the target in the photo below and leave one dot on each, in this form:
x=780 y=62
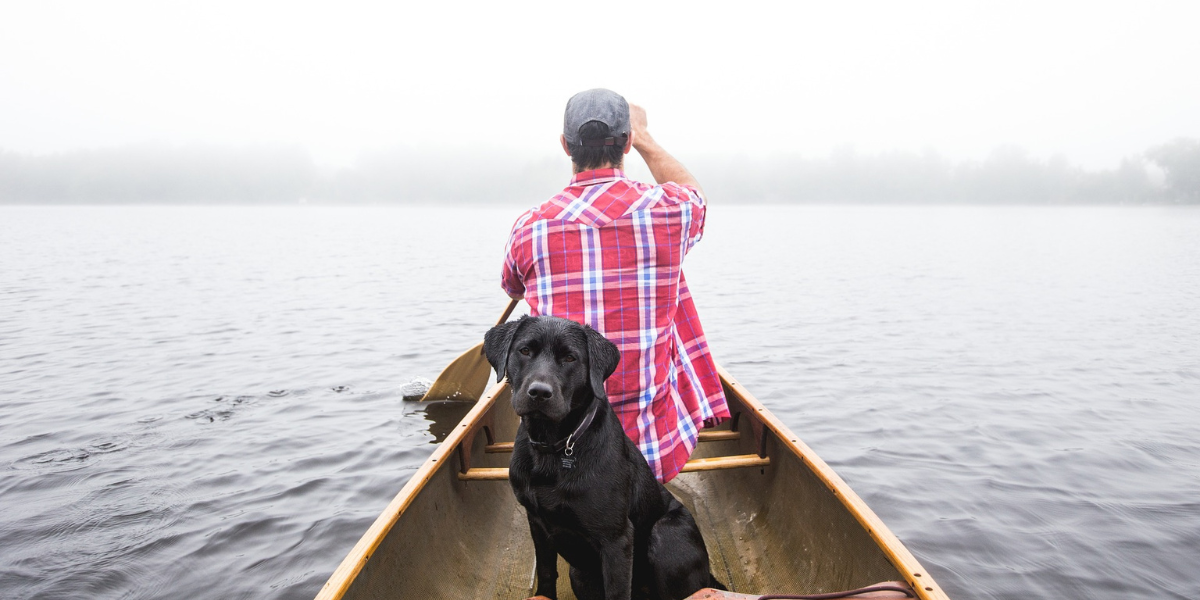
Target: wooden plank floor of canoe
x=743 y=561
x=783 y=527
x=514 y=574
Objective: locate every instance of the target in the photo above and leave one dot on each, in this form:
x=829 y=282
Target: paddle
x=467 y=376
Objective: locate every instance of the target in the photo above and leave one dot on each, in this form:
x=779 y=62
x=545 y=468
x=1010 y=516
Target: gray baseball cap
x=605 y=106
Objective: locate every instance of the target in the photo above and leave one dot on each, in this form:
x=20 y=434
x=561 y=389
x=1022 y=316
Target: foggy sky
x=1095 y=82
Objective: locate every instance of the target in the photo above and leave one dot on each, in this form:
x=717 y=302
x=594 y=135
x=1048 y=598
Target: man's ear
x=603 y=357
x=566 y=148
x=497 y=344
x=629 y=142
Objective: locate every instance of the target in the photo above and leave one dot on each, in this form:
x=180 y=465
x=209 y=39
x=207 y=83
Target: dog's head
x=553 y=365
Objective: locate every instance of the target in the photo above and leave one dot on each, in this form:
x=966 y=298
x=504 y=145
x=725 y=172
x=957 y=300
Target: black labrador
x=588 y=492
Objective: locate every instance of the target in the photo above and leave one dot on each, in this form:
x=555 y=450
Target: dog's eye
x=568 y=358
x=524 y=351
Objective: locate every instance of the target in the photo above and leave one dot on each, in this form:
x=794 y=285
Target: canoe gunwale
x=696 y=464
x=352 y=565
x=762 y=423
x=903 y=560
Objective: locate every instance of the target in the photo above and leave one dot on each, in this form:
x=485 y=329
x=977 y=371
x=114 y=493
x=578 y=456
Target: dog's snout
x=540 y=391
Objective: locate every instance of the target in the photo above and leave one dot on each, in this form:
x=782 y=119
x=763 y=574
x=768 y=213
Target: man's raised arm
x=663 y=166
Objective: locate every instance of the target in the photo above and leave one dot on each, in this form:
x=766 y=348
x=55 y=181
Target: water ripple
x=206 y=402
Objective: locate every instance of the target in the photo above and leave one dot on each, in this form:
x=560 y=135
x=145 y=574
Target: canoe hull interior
x=780 y=528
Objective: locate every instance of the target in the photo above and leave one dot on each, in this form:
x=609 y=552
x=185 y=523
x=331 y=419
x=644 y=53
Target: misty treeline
x=166 y=174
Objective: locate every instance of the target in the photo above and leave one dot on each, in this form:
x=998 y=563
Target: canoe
x=776 y=519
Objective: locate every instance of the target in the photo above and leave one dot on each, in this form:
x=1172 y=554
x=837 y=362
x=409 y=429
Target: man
x=607 y=251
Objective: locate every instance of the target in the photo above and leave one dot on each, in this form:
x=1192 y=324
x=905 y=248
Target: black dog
x=588 y=492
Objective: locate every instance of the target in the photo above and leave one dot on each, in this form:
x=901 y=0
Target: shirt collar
x=595 y=176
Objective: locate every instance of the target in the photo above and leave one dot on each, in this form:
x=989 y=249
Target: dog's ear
x=603 y=357
x=497 y=343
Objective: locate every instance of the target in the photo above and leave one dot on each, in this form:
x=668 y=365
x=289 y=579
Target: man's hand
x=662 y=165
x=637 y=123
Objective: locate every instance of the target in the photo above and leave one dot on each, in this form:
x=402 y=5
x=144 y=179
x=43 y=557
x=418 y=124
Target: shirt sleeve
x=694 y=199
x=510 y=275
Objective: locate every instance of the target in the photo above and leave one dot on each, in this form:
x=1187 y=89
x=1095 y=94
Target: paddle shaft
x=466 y=376
x=512 y=304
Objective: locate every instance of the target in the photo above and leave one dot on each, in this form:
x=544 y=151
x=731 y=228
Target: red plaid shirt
x=608 y=252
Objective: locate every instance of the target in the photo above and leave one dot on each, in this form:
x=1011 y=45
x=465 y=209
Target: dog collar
x=567 y=446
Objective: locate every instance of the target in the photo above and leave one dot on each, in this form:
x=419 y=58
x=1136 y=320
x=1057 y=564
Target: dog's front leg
x=616 y=558
x=545 y=561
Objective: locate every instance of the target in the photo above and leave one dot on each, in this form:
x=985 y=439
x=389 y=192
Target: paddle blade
x=463 y=379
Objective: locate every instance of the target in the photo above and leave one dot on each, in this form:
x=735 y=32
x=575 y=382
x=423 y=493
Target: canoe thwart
x=696 y=464
x=705 y=436
x=719 y=435
x=724 y=462
x=485 y=474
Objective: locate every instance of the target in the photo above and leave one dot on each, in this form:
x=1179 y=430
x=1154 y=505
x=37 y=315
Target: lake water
x=205 y=402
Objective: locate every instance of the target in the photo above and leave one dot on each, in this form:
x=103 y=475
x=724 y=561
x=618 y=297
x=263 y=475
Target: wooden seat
x=696 y=464
x=705 y=436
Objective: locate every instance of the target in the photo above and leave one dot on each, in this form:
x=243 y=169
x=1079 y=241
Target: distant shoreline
x=1168 y=174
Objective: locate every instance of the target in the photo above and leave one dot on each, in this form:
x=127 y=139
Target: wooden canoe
x=775 y=517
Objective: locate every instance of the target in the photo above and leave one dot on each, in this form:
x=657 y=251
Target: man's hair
x=594 y=157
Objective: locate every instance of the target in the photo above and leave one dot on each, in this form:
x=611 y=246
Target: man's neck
x=576 y=170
